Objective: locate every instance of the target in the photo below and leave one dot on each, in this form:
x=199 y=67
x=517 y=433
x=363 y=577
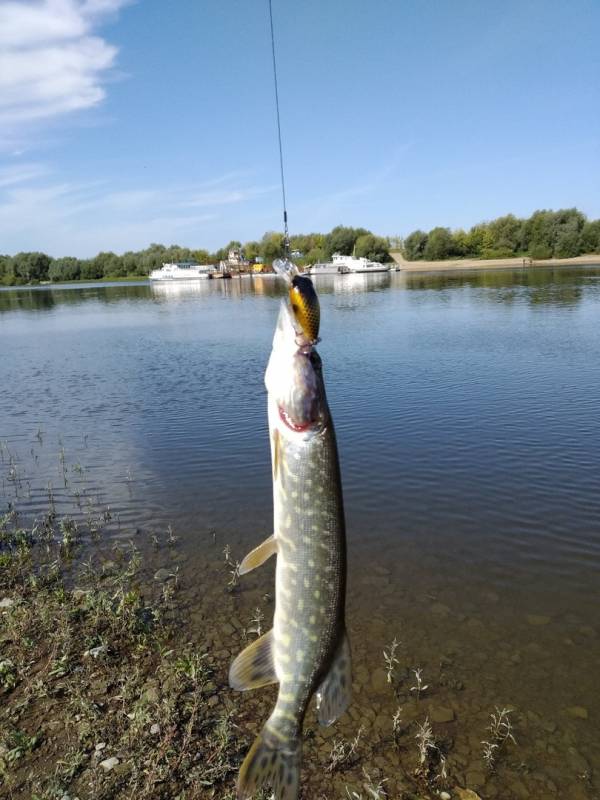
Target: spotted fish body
x=307 y=650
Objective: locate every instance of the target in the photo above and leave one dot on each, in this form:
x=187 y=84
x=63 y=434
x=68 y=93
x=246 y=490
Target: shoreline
x=458 y=264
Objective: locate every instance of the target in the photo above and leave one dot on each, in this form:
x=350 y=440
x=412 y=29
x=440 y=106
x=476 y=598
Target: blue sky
x=124 y=123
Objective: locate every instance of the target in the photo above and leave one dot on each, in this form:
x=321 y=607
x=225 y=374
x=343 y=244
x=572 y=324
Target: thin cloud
x=10 y=176
x=225 y=197
x=50 y=61
x=62 y=218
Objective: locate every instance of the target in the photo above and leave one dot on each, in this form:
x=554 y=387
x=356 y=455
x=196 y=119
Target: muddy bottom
x=462 y=656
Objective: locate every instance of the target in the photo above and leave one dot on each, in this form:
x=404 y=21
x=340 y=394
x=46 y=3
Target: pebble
x=109 y=763
x=538 y=619
x=577 y=712
x=100 y=746
x=155 y=729
x=163 y=575
x=576 y=761
x=441 y=714
x=475 y=778
x=445 y=796
x=94 y=652
x=227 y=629
x=6 y=602
x=466 y=794
x=379 y=680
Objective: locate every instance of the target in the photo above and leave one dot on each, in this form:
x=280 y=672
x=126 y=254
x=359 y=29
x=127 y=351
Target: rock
x=519 y=788
x=155 y=729
x=475 y=624
x=109 y=763
x=227 y=629
x=538 y=619
x=100 y=746
x=94 y=652
x=6 y=602
x=213 y=701
x=163 y=575
x=445 y=796
x=475 y=778
x=577 y=712
x=379 y=680
x=466 y=794
x=576 y=761
x=441 y=714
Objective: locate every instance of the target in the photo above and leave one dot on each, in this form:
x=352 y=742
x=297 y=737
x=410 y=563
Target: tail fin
x=271 y=761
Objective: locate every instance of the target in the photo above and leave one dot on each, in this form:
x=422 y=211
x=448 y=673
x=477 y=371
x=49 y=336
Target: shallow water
x=466 y=411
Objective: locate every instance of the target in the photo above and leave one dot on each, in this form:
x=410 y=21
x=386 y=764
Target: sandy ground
x=492 y=263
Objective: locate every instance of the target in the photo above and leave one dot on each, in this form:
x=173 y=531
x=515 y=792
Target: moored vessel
x=182 y=270
x=345 y=265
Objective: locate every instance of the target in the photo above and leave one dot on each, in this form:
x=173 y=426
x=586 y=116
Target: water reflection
x=539 y=286
x=535 y=287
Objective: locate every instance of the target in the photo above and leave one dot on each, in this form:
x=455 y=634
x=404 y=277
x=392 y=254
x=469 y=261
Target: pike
x=307 y=651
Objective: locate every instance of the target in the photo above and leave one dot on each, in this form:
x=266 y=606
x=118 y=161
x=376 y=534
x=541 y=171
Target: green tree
x=316 y=255
x=475 y=241
x=7 y=271
x=251 y=251
x=65 y=269
x=31 y=267
x=201 y=256
x=460 y=243
x=414 y=245
x=375 y=248
x=506 y=234
x=90 y=269
x=342 y=240
x=271 y=247
x=590 y=237
x=439 y=244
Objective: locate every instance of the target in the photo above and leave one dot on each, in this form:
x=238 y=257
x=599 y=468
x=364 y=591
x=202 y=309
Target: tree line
x=566 y=233
x=545 y=234
x=32 y=268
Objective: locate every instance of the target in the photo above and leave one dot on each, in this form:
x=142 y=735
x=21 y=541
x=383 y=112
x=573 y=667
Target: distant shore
x=491 y=263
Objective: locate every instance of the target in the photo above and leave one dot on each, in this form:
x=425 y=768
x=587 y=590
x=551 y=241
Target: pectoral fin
x=333 y=695
x=254 y=666
x=259 y=555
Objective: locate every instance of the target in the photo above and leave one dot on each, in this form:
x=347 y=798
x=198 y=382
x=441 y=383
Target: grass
x=93 y=669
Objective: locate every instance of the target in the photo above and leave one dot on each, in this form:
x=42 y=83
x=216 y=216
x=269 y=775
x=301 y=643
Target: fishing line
x=286 y=239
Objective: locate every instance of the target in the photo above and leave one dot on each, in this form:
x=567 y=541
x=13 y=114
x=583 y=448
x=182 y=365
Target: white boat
x=183 y=270
x=327 y=268
x=344 y=265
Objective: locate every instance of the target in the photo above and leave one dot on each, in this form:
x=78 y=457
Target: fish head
x=294 y=380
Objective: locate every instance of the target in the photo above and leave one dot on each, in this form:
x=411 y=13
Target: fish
x=307 y=650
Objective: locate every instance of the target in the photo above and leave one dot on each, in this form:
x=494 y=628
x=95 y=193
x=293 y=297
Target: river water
x=466 y=408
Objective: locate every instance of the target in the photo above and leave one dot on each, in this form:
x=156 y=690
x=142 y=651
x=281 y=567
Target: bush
x=498 y=252
x=540 y=251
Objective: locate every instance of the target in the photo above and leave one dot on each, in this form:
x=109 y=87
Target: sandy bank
x=492 y=263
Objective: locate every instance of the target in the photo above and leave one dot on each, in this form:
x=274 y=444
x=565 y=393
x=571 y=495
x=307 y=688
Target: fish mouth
x=294 y=426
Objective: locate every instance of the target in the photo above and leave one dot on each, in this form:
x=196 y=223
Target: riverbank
x=491 y=263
